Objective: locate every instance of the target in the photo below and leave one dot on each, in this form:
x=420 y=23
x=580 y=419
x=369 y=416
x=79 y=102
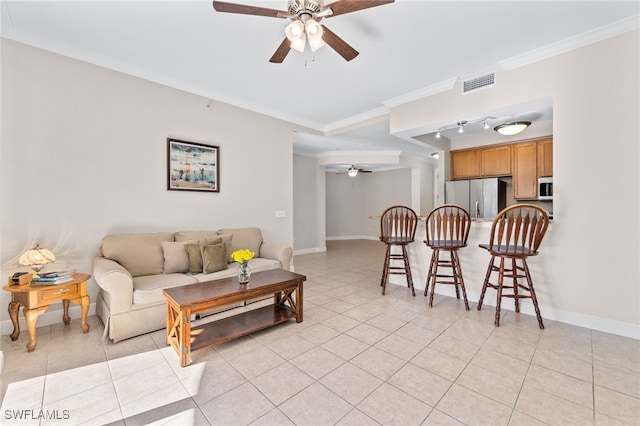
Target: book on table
x=53 y=278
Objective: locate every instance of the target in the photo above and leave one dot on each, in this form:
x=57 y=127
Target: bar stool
x=397 y=228
x=447 y=230
x=516 y=234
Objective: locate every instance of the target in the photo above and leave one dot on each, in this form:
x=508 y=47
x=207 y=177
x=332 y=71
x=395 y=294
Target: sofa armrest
x=279 y=252
x=116 y=282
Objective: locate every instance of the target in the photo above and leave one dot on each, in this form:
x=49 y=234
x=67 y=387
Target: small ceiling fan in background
x=304 y=28
x=353 y=171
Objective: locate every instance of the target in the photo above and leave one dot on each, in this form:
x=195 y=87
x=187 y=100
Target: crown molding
x=443 y=86
x=608 y=31
x=356 y=119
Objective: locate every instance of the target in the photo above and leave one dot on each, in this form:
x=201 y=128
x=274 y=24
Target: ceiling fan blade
x=338 y=44
x=340 y=7
x=281 y=52
x=221 y=6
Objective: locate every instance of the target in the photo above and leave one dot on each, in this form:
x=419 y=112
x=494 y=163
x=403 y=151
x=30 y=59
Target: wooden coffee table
x=185 y=301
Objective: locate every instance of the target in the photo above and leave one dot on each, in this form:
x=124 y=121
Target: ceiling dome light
x=352 y=171
x=512 y=128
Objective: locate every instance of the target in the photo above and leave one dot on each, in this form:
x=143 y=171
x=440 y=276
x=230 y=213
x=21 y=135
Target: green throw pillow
x=195 y=255
x=214 y=258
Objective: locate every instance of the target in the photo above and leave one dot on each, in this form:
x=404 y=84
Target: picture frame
x=192 y=166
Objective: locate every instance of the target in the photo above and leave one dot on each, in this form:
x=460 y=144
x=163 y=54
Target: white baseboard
x=353 y=237
x=581 y=320
x=48 y=318
x=309 y=250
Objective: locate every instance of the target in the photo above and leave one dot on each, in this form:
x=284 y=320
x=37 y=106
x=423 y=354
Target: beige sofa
x=133 y=269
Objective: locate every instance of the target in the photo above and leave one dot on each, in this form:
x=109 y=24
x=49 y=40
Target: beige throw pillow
x=214 y=258
x=175 y=256
x=226 y=239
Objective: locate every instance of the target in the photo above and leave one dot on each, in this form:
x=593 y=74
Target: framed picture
x=192 y=166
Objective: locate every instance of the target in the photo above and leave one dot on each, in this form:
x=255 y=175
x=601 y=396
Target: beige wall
x=83 y=154
x=309 y=197
x=594 y=242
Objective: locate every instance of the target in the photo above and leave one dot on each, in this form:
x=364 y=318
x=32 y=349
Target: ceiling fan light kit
x=305 y=16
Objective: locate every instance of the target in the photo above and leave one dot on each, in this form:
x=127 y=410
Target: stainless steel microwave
x=545 y=189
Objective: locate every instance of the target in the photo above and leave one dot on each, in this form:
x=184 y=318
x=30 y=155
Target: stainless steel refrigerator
x=482 y=198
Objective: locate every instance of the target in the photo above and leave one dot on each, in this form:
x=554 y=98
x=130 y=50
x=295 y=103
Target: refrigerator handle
x=477 y=209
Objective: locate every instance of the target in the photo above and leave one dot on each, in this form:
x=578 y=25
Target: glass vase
x=244 y=272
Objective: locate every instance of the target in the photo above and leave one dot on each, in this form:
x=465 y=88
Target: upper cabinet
x=545 y=157
x=491 y=161
x=495 y=161
x=526 y=161
x=465 y=164
x=525 y=171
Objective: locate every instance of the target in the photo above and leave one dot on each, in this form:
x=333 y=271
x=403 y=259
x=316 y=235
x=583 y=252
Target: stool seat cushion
x=396 y=240
x=509 y=250
x=445 y=244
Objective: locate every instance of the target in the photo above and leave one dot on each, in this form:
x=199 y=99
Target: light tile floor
x=358 y=358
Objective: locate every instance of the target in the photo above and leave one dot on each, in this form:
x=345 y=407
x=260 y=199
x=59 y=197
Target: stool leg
x=453 y=274
x=407 y=269
x=457 y=272
x=499 y=297
x=516 y=299
x=430 y=273
x=385 y=269
x=434 y=275
x=534 y=299
x=486 y=282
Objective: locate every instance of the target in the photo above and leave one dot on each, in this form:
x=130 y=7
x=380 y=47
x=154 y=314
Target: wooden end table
x=188 y=300
x=36 y=299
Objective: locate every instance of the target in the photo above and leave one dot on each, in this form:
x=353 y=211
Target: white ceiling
x=406 y=48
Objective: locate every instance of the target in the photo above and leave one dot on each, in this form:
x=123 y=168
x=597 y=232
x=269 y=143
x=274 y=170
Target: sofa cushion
x=244 y=238
x=214 y=257
x=147 y=289
x=175 y=256
x=256 y=264
x=140 y=254
x=198 y=236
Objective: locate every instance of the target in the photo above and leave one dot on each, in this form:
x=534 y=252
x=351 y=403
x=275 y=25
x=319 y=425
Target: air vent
x=479 y=82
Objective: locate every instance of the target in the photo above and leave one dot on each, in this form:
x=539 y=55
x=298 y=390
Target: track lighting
x=509 y=126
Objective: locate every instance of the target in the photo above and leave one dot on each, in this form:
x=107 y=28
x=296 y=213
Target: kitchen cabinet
x=495 y=161
x=465 y=164
x=526 y=161
x=525 y=171
x=545 y=157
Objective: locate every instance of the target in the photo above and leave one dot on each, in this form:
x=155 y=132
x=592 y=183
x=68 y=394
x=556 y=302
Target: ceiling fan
x=353 y=171
x=305 y=16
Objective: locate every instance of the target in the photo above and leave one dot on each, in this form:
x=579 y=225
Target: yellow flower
x=242 y=255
